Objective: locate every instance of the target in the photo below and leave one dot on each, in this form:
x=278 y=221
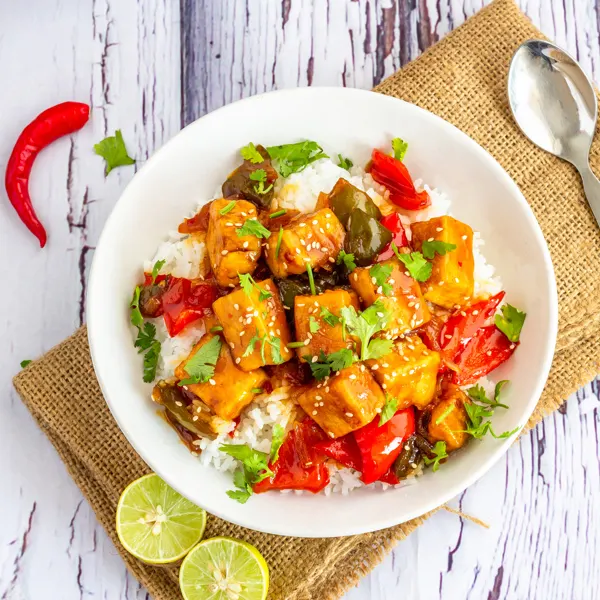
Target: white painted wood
x=542 y=500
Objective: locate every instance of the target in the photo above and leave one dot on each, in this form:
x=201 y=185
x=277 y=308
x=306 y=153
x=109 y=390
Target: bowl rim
x=375 y=523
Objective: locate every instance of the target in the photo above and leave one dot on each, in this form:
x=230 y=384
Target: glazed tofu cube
x=255 y=328
x=230 y=389
x=408 y=373
x=315 y=239
x=451 y=283
x=449 y=418
x=318 y=321
x=352 y=401
x=401 y=295
x=229 y=253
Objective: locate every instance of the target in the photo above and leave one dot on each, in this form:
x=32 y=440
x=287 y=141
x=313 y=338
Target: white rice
x=185 y=257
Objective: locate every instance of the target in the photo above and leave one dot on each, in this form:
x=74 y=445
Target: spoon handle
x=591 y=186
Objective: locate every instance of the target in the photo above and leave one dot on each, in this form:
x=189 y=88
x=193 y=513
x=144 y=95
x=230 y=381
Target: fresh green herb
x=257 y=390
x=481 y=408
x=250 y=348
x=389 y=409
x=145 y=337
x=260 y=175
x=24 y=363
x=445 y=414
x=112 y=149
x=345 y=163
x=292 y=158
x=326 y=363
x=399 y=146
x=255 y=468
x=329 y=317
x=440 y=454
x=279 y=238
x=275 y=344
x=215 y=329
x=276 y=442
x=253 y=227
x=250 y=153
x=145 y=340
x=247 y=282
x=510 y=322
x=415 y=264
x=313 y=325
x=158 y=265
x=296 y=345
x=151 y=361
x=276 y=355
x=381 y=273
x=478 y=393
x=137 y=320
x=364 y=326
x=433 y=247
x=201 y=367
x=311 y=279
x=278 y=213
x=227 y=208
x=347 y=259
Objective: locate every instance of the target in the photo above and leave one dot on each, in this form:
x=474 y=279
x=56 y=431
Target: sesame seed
x=300 y=304
x=489 y=352
x=302 y=224
x=413 y=465
x=349 y=414
x=306 y=342
x=244 y=214
x=430 y=239
x=326 y=225
x=236 y=306
x=314 y=412
x=475 y=312
x=297 y=250
x=178 y=403
x=373 y=280
x=385 y=365
x=411 y=372
x=242 y=333
x=245 y=244
x=441 y=283
x=411 y=304
x=194 y=418
x=331 y=434
x=321 y=403
x=405 y=358
x=456 y=280
x=331 y=259
x=314 y=359
x=380 y=289
x=355 y=276
x=378 y=410
x=224 y=252
x=374 y=367
x=316 y=404
x=448 y=337
x=512 y=346
x=439 y=229
x=303 y=243
x=308 y=247
x=463 y=313
x=328 y=215
x=464 y=237
x=238 y=224
x=327 y=388
x=212 y=382
x=352 y=376
x=430 y=288
x=238 y=360
x=315 y=222
x=319 y=397
x=232 y=344
x=391 y=281
x=228 y=224
x=380 y=315
x=417 y=306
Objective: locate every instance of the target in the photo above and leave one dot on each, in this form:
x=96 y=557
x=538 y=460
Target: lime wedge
x=222 y=568
x=155 y=523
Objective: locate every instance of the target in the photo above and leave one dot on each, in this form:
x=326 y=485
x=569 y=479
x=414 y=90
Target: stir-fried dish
x=321 y=321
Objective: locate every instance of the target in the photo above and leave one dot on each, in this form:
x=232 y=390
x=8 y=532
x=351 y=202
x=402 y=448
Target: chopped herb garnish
x=158 y=265
x=381 y=273
x=399 y=146
x=311 y=279
x=296 y=345
x=292 y=158
x=247 y=282
x=255 y=468
x=145 y=337
x=145 y=340
x=433 y=247
x=112 y=149
x=275 y=344
x=445 y=414
x=215 y=329
x=347 y=259
x=365 y=325
x=276 y=442
x=345 y=163
x=415 y=264
x=326 y=363
x=227 y=208
x=151 y=361
x=24 y=363
x=480 y=408
x=279 y=238
x=201 y=367
x=313 y=325
x=136 y=316
x=250 y=153
x=260 y=175
x=329 y=317
x=389 y=409
x=278 y=213
x=253 y=227
x=510 y=322
x=257 y=390
x=440 y=454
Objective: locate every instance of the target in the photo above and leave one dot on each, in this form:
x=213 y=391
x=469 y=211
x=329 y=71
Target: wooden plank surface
x=147 y=68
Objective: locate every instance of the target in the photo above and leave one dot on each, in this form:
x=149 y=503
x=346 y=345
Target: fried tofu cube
x=229 y=253
x=353 y=400
x=318 y=320
x=408 y=373
x=452 y=281
x=255 y=326
x=311 y=239
x=449 y=418
x=404 y=300
x=230 y=389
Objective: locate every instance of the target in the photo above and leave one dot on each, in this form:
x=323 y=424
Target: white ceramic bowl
x=193 y=164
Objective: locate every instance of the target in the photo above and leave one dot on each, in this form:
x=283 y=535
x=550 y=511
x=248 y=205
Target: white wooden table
x=148 y=67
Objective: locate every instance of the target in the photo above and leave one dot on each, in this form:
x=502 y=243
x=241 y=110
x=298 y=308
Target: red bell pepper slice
x=391 y=173
x=343 y=449
x=394 y=224
x=300 y=466
x=380 y=446
x=485 y=351
x=389 y=477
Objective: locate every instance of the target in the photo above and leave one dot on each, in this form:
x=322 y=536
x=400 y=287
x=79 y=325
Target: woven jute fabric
x=463 y=80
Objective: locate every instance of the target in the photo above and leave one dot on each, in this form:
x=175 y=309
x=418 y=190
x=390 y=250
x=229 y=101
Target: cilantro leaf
x=440 y=453
x=260 y=175
x=321 y=368
x=329 y=317
x=415 y=264
x=347 y=259
x=201 y=367
x=365 y=325
x=247 y=282
x=253 y=227
x=510 y=322
x=255 y=468
x=112 y=149
x=24 y=363
x=345 y=163
x=336 y=361
x=151 y=361
x=433 y=247
x=240 y=496
x=276 y=355
x=136 y=316
x=276 y=442
x=381 y=273
x=145 y=337
x=292 y=158
x=379 y=347
x=313 y=325
x=389 y=409
x=481 y=408
x=158 y=265
x=399 y=146
x=249 y=152
x=478 y=393
x=227 y=208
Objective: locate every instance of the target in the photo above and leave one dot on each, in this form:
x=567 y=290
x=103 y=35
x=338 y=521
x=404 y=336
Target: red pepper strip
x=299 y=466
x=185 y=302
x=391 y=173
x=485 y=351
x=237 y=420
x=380 y=446
x=344 y=450
x=394 y=224
x=47 y=127
x=389 y=477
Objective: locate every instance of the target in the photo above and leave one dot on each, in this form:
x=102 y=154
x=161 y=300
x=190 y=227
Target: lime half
x=222 y=568
x=155 y=523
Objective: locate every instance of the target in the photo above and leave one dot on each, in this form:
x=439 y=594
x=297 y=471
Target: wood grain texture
x=146 y=75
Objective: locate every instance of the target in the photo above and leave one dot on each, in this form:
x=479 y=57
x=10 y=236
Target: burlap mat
x=462 y=79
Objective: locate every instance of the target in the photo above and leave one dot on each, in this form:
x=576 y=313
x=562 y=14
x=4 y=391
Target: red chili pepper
x=394 y=224
x=380 y=446
x=391 y=173
x=485 y=351
x=300 y=466
x=47 y=127
x=343 y=449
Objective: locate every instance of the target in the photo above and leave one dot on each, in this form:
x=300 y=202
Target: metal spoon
x=554 y=104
